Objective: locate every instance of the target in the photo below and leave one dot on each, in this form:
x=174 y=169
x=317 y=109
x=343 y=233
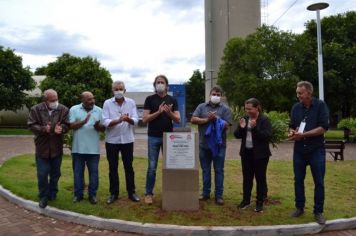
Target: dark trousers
x=253 y=167
x=48 y=173
x=112 y=154
x=316 y=160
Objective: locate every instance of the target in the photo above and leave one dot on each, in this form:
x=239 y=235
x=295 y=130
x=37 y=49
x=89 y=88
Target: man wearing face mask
x=206 y=114
x=160 y=110
x=85 y=121
x=119 y=117
x=48 y=121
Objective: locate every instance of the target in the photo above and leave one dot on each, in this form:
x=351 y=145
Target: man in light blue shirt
x=119 y=117
x=85 y=120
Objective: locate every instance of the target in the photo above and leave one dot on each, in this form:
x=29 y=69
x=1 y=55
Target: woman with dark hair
x=255 y=130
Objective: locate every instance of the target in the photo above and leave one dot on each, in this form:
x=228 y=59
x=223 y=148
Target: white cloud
x=134 y=39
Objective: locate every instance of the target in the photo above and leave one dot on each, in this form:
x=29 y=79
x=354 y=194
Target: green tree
x=263 y=65
x=195 y=91
x=70 y=76
x=14 y=81
x=339 y=60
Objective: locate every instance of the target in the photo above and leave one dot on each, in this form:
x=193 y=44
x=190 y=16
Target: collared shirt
x=123 y=132
x=222 y=111
x=86 y=138
x=317 y=115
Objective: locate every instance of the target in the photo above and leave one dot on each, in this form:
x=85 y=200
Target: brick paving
x=15 y=220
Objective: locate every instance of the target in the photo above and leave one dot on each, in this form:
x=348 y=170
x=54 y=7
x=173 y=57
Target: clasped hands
x=165 y=108
x=57 y=129
x=294 y=135
x=252 y=122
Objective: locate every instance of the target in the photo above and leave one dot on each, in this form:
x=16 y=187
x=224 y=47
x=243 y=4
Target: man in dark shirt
x=160 y=110
x=48 y=121
x=309 y=122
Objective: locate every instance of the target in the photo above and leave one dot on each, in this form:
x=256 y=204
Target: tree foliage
x=339 y=60
x=262 y=66
x=195 y=91
x=14 y=81
x=268 y=63
x=70 y=76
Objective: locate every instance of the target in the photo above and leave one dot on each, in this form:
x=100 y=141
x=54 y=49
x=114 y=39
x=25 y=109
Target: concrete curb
x=163 y=229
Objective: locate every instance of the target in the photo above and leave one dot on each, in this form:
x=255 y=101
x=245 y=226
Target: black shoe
x=243 y=205
x=259 y=207
x=204 y=197
x=297 y=212
x=111 y=199
x=219 y=201
x=93 y=200
x=133 y=197
x=43 y=202
x=77 y=199
x=319 y=218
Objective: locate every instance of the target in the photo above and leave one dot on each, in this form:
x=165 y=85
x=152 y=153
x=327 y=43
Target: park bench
x=335 y=148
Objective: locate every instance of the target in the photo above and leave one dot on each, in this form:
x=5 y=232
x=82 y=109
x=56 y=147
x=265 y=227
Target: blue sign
x=178 y=91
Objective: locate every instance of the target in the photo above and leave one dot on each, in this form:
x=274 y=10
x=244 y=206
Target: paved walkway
x=17 y=221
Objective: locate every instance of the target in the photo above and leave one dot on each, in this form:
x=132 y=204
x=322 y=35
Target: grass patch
x=15 y=131
x=19 y=175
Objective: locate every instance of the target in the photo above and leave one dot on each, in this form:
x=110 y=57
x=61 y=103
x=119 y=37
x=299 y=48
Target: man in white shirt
x=119 y=117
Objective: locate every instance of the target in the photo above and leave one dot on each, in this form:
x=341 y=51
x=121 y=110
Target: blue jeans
x=48 y=173
x=154 y=146
x=92 y=162
x=316 y=160
x=206 y=158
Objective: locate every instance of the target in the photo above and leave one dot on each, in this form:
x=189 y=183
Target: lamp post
x=317 y=7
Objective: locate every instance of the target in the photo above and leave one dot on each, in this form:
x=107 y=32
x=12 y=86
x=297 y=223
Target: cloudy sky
x=134 y=39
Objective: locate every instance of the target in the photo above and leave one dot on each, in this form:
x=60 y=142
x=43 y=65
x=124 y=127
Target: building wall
x=225 y=19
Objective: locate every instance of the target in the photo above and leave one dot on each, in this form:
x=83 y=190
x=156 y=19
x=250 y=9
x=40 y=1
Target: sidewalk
x=15 y=220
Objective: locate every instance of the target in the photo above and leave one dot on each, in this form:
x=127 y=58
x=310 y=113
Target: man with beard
x=85 y=121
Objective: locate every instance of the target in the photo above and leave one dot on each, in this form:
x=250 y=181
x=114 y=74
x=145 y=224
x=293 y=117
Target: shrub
x=347 y=123
x=279 y=121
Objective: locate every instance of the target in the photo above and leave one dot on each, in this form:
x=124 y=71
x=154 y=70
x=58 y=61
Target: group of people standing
x=49 y=120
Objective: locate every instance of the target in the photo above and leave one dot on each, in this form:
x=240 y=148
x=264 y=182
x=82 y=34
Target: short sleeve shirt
x=222 y=111
x=163 y=123
x=86 y=139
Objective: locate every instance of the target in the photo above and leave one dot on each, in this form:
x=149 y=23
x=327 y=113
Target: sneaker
x=219 y=201
x=204 y=197
x=148 y=199
x=259 y=207
x=243 y=205
x=297 y=212
x=319 y=218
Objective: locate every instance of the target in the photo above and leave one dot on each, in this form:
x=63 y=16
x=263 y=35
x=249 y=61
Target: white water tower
x=225 y=19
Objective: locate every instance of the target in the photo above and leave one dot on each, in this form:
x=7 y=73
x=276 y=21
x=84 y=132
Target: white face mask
x=119 y=94
x=160 y=88
x=215 y=99
x=53 y=105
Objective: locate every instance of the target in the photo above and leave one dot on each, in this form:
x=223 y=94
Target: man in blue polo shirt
x=85 y=121
x=309 y=122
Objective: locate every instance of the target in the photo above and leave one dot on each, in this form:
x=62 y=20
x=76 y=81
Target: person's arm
x=263 y=131
x=77 y=124
x=174 y=115
x=34 y=124
x=132 y=118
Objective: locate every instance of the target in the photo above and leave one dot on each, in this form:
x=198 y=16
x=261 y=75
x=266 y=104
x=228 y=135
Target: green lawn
x=19 y=176
x=15 y=131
